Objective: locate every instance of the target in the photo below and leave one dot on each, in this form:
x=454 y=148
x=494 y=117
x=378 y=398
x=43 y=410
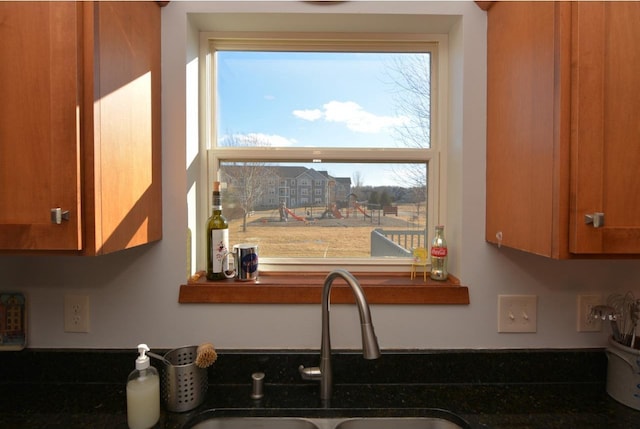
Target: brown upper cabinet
x=80 y=136
x=563 y=127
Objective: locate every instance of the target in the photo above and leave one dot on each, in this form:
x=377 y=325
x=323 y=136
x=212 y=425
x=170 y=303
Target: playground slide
x=293 y=215
x=362 y=210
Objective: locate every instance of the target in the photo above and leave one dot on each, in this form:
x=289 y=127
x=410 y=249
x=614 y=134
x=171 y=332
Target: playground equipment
x=336 y=212
x=332 y=210
x=360 y=209
x=293 y=215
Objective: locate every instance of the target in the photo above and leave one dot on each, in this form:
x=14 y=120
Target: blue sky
x=309 y=100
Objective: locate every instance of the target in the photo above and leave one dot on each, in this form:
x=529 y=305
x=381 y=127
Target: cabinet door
x=526 y=176
x=125 y=182
x=39 y=125
x=606 y=127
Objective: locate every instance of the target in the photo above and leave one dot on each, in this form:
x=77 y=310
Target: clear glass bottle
x=217 y=239
x=439 y=255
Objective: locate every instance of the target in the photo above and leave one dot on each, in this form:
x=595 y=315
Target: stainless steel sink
x=255 y=423
x=399 y=423
x=331 y=423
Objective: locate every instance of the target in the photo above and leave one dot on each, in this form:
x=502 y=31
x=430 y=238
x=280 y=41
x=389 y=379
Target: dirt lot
x=317 y=237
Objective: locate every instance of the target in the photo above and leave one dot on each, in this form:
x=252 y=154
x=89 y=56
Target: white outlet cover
x=76 y=313
x=583 y=322
x=518 y=313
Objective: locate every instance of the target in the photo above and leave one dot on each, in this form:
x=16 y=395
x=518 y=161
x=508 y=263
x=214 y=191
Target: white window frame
x=435 y=156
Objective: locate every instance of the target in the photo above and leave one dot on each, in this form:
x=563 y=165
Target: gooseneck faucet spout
x=370 y=349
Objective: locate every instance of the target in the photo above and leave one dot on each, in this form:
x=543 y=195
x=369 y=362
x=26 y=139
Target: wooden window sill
x=306 y=288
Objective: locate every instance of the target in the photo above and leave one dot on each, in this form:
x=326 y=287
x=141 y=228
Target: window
x=344 y=127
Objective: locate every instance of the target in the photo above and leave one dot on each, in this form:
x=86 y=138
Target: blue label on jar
x=250 y=263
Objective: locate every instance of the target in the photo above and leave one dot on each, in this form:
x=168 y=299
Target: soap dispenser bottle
x=143 y=393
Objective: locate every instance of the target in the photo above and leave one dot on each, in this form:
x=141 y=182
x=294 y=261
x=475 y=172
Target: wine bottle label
x=439 y=252
x=220 y=248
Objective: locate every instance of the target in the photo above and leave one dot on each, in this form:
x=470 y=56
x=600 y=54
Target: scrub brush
x=206 y=355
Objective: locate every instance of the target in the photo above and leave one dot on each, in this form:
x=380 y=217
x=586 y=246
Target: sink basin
x=400 y=423
x=254 y=423
x=453 y=422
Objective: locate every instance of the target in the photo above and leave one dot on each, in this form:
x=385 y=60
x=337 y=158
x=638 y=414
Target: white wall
x=134 y=294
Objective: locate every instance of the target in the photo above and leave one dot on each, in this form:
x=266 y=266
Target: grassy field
x=320 y=238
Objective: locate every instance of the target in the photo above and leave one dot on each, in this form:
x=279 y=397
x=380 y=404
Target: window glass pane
x=323 y=99
x=359 y=115
x=326 y=210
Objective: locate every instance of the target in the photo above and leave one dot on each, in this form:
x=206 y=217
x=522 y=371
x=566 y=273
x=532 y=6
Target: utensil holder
x=183 y=384
x=623 y=374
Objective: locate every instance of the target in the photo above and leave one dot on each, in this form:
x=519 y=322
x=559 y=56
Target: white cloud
x=277 y=141
x=256 y=140
x=309 y=115
x=353 y=116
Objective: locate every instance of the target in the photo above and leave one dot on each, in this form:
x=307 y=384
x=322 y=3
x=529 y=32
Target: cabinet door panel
x=606 y=127
x=127 y=112
x=38 y=125
x=520 y=126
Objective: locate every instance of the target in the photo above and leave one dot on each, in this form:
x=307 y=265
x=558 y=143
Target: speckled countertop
x=490 y=389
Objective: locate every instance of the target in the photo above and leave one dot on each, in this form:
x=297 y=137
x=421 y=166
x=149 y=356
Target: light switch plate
x=517 y=313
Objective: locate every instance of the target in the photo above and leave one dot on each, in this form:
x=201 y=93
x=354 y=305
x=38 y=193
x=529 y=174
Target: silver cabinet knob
x=58 y=215
x=596 y=219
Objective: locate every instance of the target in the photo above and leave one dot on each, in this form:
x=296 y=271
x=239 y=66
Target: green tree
x=385 y=199
x=374 y=197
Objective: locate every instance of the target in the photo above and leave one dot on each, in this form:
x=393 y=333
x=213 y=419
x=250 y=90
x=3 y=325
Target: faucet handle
x=311 y=373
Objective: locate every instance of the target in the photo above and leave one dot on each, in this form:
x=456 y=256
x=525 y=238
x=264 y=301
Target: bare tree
x=247 y=181
x=419 y=197
x=357 y=180
x=410 y=77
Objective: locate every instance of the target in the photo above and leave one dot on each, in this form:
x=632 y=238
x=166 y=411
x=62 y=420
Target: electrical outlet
x=585 y=323
x=517 y=313
x=76 y=313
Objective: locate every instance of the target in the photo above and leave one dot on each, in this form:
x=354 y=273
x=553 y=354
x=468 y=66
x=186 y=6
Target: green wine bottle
x=217 y=239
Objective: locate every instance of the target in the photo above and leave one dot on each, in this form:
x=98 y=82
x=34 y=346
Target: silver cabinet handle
x=57 y=215
x=597 y=219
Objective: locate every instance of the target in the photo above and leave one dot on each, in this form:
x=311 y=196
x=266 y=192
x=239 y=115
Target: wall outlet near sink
x=76 y=313
x=584 y=322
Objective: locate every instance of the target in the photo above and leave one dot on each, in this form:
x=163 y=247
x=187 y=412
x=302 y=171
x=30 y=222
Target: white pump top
x=143 y=360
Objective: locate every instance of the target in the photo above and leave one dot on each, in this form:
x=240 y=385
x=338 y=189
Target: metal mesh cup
x=183 y=384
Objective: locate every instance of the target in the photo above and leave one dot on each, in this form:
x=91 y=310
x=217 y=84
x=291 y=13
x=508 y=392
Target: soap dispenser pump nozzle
x=142 y=362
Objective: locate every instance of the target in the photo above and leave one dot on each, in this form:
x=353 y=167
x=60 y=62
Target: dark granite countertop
x=490 y=389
